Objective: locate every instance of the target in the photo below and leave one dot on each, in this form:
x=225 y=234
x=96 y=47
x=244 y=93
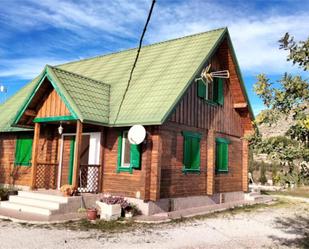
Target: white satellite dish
x=136 y=134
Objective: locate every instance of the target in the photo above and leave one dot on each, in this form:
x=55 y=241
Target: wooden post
x=77 y=150
x=35 y=146
x=245 y=162
x=102 y=145
x=155 y=173
x=211 y=155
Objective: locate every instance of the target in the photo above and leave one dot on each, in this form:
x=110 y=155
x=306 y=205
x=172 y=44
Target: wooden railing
x=89 y=178
x=46 y=175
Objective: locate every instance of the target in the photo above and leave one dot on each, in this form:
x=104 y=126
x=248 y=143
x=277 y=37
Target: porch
x=73 y=157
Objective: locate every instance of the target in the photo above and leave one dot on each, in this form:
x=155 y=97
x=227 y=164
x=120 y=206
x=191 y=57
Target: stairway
x=41 y=203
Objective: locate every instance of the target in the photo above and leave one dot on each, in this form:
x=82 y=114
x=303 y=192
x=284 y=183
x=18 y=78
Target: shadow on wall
x=299 y=226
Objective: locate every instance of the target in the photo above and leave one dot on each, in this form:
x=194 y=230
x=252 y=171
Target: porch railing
x=89 y=178
x=46 y=175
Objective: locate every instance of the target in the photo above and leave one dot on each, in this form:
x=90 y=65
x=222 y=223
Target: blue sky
x=34 y=33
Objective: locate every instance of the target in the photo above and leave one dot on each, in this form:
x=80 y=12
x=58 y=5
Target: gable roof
x=162 y=75
x=80 y=95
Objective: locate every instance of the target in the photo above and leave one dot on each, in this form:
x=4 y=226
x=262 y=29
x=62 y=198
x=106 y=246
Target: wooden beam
x=245 y=161
x=31 y=113
x=77 y=150
x=35 y=146
x=102 y=145
x=211 y=158
x=155 y=169
x=240 y=105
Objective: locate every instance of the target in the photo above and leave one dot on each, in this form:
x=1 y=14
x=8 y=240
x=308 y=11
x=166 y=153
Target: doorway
x=89 y=161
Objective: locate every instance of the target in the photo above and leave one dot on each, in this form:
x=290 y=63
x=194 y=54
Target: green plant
x=263 y=178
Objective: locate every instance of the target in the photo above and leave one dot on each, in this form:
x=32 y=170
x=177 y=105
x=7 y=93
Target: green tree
x=288 y=98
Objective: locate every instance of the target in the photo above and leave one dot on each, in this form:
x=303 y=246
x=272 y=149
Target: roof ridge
x=149 y=45
x=78 y=75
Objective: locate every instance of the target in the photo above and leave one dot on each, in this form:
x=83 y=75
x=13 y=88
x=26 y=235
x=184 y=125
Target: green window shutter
x=201 y=89
x=225 y=157
x=218 y=156
x=23 y=151
x=135 y=156
x=220 y=84
x=191 y=151
x=215 y=90
x=187 y=152
x=222 y=154
x=119 y=149
x=195 y=153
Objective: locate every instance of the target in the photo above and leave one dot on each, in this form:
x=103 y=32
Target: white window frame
x=123 y=145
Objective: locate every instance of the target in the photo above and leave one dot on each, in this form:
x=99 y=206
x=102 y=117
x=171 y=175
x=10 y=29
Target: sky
x=35 y=33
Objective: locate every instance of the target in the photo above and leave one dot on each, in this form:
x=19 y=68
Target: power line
x=136 y=58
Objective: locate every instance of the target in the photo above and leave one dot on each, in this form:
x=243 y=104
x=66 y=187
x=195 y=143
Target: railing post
x=36 y=140
x=77 y=150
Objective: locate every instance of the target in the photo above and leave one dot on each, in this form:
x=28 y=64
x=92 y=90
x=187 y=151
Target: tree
x=289 y=98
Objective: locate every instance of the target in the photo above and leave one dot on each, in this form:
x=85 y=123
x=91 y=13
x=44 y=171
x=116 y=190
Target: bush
x=263 y=178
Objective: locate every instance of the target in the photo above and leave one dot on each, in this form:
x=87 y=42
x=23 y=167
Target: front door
x=89 y=161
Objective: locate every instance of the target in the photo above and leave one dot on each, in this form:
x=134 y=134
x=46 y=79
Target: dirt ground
x=280 y=226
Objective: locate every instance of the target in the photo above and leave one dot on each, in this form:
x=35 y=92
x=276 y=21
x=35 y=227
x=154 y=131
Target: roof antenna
x=136 y=58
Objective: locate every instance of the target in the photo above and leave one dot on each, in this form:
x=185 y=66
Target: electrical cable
x=136 y=58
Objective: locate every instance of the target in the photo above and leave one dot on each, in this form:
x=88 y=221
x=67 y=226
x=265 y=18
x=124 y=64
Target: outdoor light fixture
x=60 y=129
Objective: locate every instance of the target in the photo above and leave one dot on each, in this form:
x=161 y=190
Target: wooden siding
x=196 y=112
x=53 y=106
x=231 y=181
x=47 y=152
x=174 y=183
x=141 y=183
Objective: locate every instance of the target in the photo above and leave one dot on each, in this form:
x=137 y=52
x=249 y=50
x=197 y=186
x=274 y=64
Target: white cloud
x=254 y=33
x=27 y=68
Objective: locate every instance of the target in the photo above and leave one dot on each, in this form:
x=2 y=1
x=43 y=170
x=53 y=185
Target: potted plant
x=92 y=213
x=68 y=190
x=110 y=207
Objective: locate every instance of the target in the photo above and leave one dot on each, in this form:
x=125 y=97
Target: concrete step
x=54 y=205
x=44 y=197
x=26 y=208
x=253 y=196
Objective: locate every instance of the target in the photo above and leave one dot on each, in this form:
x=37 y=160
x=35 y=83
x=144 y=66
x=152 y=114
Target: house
x=194 y=148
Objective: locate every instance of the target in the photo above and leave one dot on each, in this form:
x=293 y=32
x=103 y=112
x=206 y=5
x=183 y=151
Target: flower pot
x=92 y=214
x=108 y=211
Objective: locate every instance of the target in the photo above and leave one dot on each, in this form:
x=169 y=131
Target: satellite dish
x=136 y=134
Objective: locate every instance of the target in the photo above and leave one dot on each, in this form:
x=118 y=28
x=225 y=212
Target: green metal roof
x=11 y=107
x=79 y=93
x=163 y=73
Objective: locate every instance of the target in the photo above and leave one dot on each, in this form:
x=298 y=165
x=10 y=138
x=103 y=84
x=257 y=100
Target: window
x=23 y=151
x=212 y=91
x=191 y=151
x=222 y=154
x=129 y=155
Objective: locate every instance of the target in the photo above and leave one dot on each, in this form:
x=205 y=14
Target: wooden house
x=194 y=148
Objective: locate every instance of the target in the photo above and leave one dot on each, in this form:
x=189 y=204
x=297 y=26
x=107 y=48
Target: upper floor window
x=211 y=91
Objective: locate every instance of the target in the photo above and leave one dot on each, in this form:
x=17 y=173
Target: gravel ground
x=285 y=226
